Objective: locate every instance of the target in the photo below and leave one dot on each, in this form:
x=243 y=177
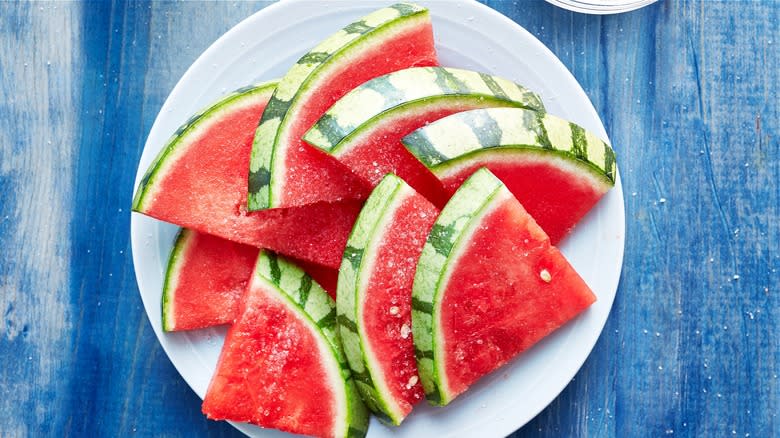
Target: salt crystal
x=405 y=330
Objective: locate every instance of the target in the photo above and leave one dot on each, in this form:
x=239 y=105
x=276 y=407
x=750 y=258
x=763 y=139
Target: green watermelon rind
x=408 y=91
x=175 y=260
x=176 y=146
x=379 y=209
x=450 y=232
x=332 y=52
x=453 y=142
x=311 y=302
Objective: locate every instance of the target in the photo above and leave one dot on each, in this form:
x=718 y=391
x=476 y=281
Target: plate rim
x=501 y=426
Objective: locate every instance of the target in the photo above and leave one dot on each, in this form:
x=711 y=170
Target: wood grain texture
x=687 y=91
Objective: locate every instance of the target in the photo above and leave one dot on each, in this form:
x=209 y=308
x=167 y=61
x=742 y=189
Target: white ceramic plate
x=601 y=7
x=468 y=35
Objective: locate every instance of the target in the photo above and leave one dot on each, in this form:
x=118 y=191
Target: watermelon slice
x=488 y=286
x=285 y=171
x=282 y=366
x=207 y=276
x=199 y=179
x=363 y=130
x=375 y=297
x=555 y=168
x=204 y=282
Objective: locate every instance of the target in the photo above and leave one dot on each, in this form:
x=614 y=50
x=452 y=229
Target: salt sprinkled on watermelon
x=489 y=285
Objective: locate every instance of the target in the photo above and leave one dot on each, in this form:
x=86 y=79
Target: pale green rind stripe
x=378 y=210
x=184 y=239
x=467 y=203
x=265 y=166
x=453 y=141
x=375 y=100
x=319 y=309
x=178 y=144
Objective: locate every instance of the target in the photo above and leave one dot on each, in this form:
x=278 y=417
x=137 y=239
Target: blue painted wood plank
x=687 y=91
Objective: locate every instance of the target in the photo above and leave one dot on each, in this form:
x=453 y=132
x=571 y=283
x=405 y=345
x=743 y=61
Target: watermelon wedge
x=375 y=297
x=363 y=130
x=282 y=366
x=285 y=171
x=207 y=276
x=205 y=280
x=488 y=286
x=556 y=169
x=199 y=179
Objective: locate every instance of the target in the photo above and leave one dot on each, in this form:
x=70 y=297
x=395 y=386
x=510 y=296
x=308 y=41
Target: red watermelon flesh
x=508 y=289
x=271 y=372
x=205 y=280
x=311 y=175
x=207 y=276
x=201 y=185
x=387 y=308
x=379 y=151
x=529 y=177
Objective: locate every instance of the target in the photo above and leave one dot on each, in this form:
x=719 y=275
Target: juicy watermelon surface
x=386 y=312
x=302 y=174
x=531 y=177
x=507 y=289
x=206 y=278
x=379 y=151
x=200 y=183
x=272 y=370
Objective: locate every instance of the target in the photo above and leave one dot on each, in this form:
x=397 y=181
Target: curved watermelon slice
x=199 y=179
x=204 y=282
x=488 y=286
x=363 y=130
x=207 y=276
x=375 y=297
x=285 y=171
x=282 y=366
x=556 y=169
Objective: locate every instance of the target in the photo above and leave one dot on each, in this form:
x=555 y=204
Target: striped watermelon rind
x=450 y=232
x=378 y=211
x=453 y=142
x=176 y=146
x=408 y=91
x=264 y=168
x=175 y=261
x=313 y=304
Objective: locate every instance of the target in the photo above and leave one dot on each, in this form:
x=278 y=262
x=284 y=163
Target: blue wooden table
x=688 y=91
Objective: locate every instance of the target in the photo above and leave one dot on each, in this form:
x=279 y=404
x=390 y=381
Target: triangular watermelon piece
x=199 y=179
x=284 y=170
x=207 y=276
x=282 y=365
x=488 y=286
x=375 y=297
x=363 y=130
x=555 y=168
x=205 y=280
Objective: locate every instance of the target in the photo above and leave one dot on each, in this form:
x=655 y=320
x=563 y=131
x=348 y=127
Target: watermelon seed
x=394 y=310
x=545 y=274
x=412 y=381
